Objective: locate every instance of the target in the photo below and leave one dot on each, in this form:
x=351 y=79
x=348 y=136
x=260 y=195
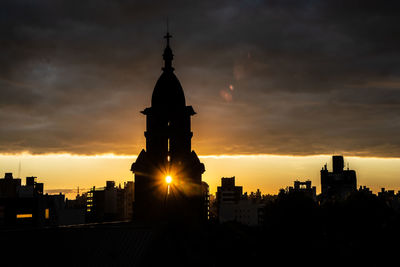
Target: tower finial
x=167 y=36
x=168 y=56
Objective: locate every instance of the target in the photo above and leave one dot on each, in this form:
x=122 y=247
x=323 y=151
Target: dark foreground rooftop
x=135 y=244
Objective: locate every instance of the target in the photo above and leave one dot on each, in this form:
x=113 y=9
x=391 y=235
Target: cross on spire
x=168 y=56
x=167 y=36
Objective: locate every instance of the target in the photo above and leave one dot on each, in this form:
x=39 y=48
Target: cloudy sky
x=265 y=77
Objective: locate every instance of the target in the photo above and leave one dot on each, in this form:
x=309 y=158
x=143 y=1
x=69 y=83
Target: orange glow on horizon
x=269 y=173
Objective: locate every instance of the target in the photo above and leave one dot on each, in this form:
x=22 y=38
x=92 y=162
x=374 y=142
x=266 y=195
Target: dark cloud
x=308 y=77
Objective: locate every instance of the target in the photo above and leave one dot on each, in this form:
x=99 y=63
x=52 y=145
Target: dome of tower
x=168 y=92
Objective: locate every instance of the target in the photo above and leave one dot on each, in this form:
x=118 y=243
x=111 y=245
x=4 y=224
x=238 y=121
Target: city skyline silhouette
x=275 y=92
x=292 y=157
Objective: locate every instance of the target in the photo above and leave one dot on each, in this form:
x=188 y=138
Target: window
x=24 y=216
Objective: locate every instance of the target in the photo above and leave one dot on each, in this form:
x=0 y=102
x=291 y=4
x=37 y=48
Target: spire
x=168 y=56
x=168 y=93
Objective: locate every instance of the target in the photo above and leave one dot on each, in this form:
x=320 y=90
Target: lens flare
x=168 y=179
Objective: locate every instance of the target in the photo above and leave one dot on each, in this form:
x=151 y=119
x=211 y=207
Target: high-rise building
x=110 y=203
x=168 y=172
x=206 y=200
x=339 y=183
x=128 y=200
x=228 y=196
x=9 y=186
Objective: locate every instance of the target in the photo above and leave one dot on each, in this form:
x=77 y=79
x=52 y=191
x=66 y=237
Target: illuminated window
x=89 y=207
x=47 y=214
x=24 y=216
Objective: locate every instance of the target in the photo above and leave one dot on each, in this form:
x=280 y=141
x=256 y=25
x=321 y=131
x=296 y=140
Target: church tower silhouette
x=168 y=154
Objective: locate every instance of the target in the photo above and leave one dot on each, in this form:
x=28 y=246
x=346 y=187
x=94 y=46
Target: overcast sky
x=277 y=77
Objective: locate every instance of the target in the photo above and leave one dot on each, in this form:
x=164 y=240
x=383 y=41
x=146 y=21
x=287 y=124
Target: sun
x=168 y=179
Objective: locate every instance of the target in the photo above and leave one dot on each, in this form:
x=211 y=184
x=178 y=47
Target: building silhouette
x=9 y=186
x=228 y=192
x=304 y=188
x=206 y=200
x=365 y=189
x=228 y=196
x=233 y=206
x=169 y=154
x=109 y=203
x=339 y=183
x=26 y=205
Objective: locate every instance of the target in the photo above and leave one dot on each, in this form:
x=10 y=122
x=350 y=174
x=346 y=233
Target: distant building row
x=232 y=205
x=26 y=205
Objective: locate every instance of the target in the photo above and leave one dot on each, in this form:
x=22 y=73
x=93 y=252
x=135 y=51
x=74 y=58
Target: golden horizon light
x=269 y=173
